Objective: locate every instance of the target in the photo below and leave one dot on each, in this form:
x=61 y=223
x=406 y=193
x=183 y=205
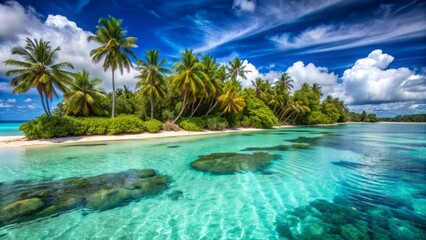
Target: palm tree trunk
x=198 y=105
x=40 y=92
x=288 y=116
x=221 y=114
x=113 y=96
x=47 y=106
x=295 y=118
x=152 y=105
x=183 y=106
x=212 y=108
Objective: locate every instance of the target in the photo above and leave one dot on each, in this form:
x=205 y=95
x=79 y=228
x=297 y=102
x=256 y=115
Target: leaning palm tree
x=231 y=102
x=237 y=69
x=115 y=49
x=151 y=79
x=39 y=69
x=188 y=79
x=83 y=97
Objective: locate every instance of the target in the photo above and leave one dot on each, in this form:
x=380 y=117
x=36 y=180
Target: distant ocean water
x=10 y=128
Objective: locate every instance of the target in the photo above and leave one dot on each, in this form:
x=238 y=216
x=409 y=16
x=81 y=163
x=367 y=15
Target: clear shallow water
x=10 y=129
x=368 y=167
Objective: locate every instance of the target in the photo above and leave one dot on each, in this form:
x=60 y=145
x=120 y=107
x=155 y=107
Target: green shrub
x=48 y=127
x=258 y=115
x=192 y=124
x=125 y=124
x=317 y=117
x=153 y=125
x=216 y=123
x=51 y=127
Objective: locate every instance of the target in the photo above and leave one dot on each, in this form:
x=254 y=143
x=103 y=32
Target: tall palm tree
x=39 y=69
x=284 y=83
x=83 y=96
x=189 y=79
x=151 y=79
x=231 y=102
x=237 y=69
x=115 y=49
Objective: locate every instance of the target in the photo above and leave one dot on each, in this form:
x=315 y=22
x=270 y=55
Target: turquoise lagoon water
x=10 y=129
x=363 y=181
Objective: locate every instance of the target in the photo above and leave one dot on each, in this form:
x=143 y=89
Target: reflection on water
x=342 y=182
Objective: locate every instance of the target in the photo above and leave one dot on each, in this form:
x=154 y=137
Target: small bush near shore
x=51 y=127
x=192 y=124
x=153 y=125
x=170 y=126
x=216 y=123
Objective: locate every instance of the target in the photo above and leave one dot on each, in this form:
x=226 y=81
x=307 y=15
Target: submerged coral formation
x=334 y=220
x=279 y=147
x=26 y=200
x=228 y=163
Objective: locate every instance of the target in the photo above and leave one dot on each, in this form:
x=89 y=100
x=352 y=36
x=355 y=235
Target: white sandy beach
x=21 y=141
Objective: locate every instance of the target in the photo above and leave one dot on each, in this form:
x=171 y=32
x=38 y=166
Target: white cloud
x=348 y=35
x=368 y=81
x=60 y=32
x=28 y=100
x=32 y=106
x=16 y=19
x=266 y=16
x=254 y=73
x=11 y=100
x=5 y=105
x=310 y=73
x=244 y=5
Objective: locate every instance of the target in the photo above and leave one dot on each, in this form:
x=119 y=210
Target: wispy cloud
x=388 y=26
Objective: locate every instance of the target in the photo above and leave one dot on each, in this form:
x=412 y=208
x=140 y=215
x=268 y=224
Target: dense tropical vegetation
x=406 y=118
x=195 y=93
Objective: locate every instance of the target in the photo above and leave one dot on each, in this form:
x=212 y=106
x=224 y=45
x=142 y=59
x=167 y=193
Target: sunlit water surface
x=381 y=166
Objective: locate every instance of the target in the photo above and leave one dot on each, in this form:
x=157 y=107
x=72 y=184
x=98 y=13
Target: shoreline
x=21 y=141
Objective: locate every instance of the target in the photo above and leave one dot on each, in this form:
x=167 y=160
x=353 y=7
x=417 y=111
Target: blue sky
x=369 y=53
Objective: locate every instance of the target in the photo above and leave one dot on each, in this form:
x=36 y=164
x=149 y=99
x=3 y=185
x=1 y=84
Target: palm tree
x=316 y=88
x=231 y=102
x=219 y=77
x=38 y=69
x=115 y=49
x=296 y=108
x=83 y=97
x=258 y=85
x=237 y=69
x=284 y=83
x=151 y=78
x=189 y=79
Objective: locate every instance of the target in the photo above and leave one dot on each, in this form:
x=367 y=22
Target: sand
x=20 y=141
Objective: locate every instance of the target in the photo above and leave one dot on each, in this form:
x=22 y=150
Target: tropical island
x=195 y=94
x=212 y=120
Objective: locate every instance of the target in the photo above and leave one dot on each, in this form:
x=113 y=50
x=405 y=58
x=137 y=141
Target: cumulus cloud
x=254 y=73
x=16 y=19
x=28 y=100
x=62 y=32
x=11 y=100
x=244 y=5
x=368 y=81
x=310 y=73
